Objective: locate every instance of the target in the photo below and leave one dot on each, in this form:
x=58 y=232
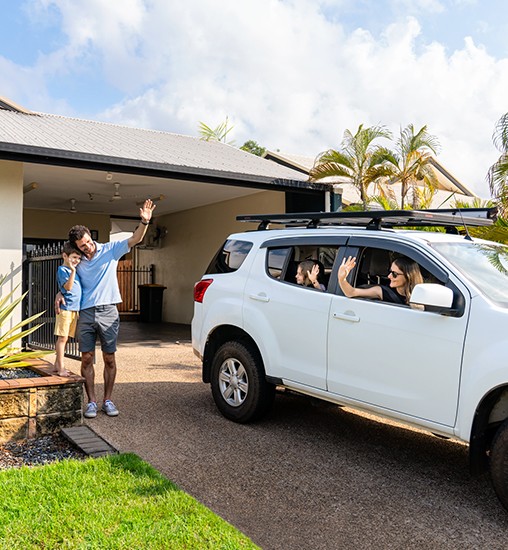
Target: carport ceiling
x=91 y=191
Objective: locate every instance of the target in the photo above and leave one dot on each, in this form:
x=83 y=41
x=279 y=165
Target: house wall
x=11 y=236
x=48 y=224
x=193 y=237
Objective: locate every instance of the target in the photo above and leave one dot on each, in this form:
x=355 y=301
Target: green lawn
x=116 y=502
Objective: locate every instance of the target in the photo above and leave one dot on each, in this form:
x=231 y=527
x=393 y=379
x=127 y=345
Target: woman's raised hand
x=345 y=267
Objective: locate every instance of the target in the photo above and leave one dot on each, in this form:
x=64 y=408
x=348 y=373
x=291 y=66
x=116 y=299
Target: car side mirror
x=434 y=297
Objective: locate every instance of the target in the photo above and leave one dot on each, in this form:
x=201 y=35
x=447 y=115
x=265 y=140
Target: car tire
x=239 y=387
x=499 y=463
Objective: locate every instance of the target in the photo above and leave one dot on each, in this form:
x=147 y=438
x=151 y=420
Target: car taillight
x=200 y=288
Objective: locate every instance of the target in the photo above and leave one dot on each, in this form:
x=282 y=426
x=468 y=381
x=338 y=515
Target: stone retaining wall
x=31 y=407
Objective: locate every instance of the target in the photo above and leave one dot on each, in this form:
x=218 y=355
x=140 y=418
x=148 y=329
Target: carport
x=58 y=171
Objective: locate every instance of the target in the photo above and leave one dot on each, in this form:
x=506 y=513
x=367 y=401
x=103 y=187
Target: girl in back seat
x=308 y=273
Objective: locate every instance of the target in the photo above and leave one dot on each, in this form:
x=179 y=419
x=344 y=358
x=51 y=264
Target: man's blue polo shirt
x=98 y=275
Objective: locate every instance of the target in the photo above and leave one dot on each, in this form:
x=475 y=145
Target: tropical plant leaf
x=23 y=323
x=13 y=356
x=5 y=342
x=18 y=358
x=7 y=305
x=217 y=134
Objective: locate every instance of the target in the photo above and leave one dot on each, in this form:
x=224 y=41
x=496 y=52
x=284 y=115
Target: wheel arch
x=489 y=415
x=216 y=338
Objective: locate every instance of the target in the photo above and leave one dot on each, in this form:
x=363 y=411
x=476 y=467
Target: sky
x=292 y=75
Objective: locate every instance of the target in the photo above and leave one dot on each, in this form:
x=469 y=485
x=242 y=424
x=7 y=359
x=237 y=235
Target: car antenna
x=467 y=236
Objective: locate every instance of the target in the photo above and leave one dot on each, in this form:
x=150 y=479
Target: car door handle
x=347 y=316
x=261 y=297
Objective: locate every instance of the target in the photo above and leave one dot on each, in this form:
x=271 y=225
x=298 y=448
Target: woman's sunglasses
x=394 y=274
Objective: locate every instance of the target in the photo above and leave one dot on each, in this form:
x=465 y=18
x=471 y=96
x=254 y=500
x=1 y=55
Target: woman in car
x=404 y=275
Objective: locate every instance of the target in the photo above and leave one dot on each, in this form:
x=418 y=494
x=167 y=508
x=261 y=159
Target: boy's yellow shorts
x=65 y=323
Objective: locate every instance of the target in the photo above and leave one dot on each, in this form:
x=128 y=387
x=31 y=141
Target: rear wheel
x=239 y=387
x=499 y=463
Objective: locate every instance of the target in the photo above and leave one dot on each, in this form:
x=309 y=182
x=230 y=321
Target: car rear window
x=230 y=256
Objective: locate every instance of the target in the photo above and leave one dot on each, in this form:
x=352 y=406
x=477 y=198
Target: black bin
x=150 y=303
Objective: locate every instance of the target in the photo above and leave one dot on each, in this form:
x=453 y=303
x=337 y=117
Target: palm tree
x=497 y=175
x=359 y=161
x=216 y=134
x=411 y=163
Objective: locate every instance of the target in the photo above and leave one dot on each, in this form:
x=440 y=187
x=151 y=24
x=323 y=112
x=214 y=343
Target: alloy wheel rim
x=233 y=382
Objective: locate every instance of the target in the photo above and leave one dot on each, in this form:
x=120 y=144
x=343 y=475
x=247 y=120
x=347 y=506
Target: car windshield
x=485 y=264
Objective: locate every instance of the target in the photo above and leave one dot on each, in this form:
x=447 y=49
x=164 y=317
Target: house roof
x=448 y=187
x=57 y=139
x=73 y=165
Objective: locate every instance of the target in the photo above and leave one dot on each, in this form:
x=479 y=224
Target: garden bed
x=39 y=404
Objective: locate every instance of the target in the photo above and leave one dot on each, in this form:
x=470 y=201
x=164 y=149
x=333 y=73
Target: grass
x=116 y=502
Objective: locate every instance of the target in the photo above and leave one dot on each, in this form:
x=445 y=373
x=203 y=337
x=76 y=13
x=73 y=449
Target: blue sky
x=290 y=74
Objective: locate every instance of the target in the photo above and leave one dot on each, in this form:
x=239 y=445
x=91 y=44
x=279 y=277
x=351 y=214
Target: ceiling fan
x=116 y=195
x=153 y=199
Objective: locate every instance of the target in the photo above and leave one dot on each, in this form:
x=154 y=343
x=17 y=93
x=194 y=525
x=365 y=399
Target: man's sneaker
x=91 y=410
x=109 y=408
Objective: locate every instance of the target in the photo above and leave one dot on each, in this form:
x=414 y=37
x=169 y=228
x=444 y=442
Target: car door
x=393 y=357
x=288 y=321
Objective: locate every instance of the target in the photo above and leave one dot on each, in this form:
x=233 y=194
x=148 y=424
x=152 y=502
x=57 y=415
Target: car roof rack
x=377 y=219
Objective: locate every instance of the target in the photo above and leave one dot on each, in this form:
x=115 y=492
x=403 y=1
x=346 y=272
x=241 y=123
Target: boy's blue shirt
x=98 y=276
x=72 y=297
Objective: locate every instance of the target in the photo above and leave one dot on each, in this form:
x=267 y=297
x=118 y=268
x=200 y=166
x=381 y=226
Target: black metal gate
x=40 y=277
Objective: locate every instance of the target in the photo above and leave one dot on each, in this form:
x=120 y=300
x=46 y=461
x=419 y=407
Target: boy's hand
x=59 y=301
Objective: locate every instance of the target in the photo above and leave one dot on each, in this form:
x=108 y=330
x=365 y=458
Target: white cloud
x=415 y=6
x=285 y=75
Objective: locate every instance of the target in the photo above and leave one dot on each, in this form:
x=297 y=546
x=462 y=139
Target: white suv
x=442 y=366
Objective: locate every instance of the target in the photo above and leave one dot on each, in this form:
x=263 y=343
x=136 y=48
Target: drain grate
x=88 y=441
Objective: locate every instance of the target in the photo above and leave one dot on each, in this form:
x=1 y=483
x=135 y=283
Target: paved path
x=310 y=476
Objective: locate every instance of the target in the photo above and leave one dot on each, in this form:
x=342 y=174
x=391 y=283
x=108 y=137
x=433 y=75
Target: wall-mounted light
x=73 y=209
x=30 y=187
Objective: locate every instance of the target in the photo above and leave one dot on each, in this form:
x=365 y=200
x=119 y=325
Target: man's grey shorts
x=101 y=321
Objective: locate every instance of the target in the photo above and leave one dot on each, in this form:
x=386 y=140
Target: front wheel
x=239 y=387
x=499 y=463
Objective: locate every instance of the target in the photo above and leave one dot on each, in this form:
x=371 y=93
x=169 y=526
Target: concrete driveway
x=311 y=475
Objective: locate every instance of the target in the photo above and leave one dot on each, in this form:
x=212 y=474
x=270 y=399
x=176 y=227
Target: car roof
x=423 y=237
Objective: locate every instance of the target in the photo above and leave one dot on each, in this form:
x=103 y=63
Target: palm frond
x=215 y=134
x=500 y=136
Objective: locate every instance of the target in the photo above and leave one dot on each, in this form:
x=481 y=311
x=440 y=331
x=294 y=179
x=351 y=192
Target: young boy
x=70 y=286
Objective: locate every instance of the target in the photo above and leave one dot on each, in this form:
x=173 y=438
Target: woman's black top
x=392 y=296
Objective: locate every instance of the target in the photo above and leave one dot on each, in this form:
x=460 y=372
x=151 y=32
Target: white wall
x=48 y=224
x=11 y=234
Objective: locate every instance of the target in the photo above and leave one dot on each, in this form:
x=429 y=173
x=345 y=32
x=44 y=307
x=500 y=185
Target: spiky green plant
x=10 y=355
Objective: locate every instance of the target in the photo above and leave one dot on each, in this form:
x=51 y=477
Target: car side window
x=229 y=257
x=373 y=266
x=282 y=263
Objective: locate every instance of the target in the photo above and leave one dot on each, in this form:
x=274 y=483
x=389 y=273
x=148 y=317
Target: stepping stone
x=88 y=441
